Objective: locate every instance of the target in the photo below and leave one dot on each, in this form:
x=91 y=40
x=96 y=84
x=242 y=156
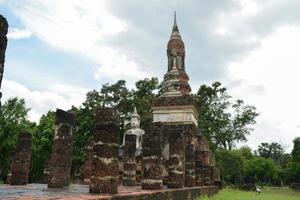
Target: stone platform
x=76 y=191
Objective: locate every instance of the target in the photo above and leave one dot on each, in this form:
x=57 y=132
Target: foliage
x=273 y=151
x=296 y=150
x=42 y=145
x=230 y=164
x=13 y=120
x=261 y=170
x=222 y=121
x=293 y=172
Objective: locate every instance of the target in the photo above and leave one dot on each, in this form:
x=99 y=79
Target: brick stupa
x=175 y=105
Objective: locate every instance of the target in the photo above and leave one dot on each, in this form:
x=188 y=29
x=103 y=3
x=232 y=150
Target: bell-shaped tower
x=175 y=104
x=175 y=81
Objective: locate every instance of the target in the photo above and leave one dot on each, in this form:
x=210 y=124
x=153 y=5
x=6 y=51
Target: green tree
x=223 y=121
x=273 y=151
x=13 y=120
x=143 y=98
x=296 y=150
x=42 y=145
x=230 y=164
x=261 y=170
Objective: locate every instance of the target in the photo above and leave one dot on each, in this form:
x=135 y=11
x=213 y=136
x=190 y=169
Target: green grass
x=266 y=194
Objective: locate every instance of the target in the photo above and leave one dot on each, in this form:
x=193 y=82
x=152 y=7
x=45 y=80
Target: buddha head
x=135 y=119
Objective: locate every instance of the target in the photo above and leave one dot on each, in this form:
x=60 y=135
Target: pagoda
x=175 y=104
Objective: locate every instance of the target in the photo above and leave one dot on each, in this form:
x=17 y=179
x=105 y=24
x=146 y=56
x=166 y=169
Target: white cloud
x=273 y=71
x=16 y=33
x=80 y=28
x=40 y=102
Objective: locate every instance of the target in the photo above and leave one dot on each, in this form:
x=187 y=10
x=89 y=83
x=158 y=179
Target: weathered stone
x=198 y=166
x=152 y=157
x=87 y=166
x=190 y=147
x=21 y=161
x=3 y=44
x=61 y=157
x=206 y=175
x=105 y=166
x=129 y=159
x=46 y=172
x=176 y=167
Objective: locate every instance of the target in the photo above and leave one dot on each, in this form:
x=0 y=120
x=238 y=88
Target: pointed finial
x=175 y=30
x=175 y=22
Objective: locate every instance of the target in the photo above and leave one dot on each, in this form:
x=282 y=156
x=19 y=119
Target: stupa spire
x=175 y=81
x=175 y=31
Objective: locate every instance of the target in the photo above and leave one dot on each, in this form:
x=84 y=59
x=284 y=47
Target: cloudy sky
x=58 y=50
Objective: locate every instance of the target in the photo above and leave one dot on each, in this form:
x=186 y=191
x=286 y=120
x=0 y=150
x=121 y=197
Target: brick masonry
x=129 y=161
x=61 y=157
x=152 y=157
x=87 y=166
x=3 y=44
x=176 y=167
x=105 y=167
x=21 y=160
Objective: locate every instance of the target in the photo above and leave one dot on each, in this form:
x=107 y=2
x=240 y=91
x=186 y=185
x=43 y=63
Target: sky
x=58 y=50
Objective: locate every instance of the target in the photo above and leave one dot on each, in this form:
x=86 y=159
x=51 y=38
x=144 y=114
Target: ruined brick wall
x=176 y=164
x=21 y=161
x=61 y=157
x=87 y=166
x=152 y=164
x=3 y=44
x=46 y=172
x=129 y=161
x=105 y=168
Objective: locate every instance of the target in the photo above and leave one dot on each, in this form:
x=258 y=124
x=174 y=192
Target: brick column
x=21 y=161
x=152 y=157
x=3 y=44
x=105 y=169
x=206 y=167
x=198 y=166
x=87 y=166
x=129 y=160
x=190 y=164
x=46 y=172
x=176 y=166
x=61 y=157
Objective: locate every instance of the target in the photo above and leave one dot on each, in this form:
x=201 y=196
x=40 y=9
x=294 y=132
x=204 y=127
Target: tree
x=42 y=145
x=273 y=151
x=230 y=164
x=222 y=121
x=143 y=98
x=13 y=120
x=260 y=170
x=296 y=150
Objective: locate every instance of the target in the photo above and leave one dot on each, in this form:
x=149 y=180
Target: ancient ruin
x=61 y=158
x=87 y=166
x=132 y=150
x=3 y=44
x=171 y=159
x=21 y=161
x=105 y=168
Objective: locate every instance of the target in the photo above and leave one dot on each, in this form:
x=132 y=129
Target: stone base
x=76 y=191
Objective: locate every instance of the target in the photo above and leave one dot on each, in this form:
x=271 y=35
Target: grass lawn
x=267 y=194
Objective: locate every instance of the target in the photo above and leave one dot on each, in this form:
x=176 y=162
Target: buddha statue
x=135 y=130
